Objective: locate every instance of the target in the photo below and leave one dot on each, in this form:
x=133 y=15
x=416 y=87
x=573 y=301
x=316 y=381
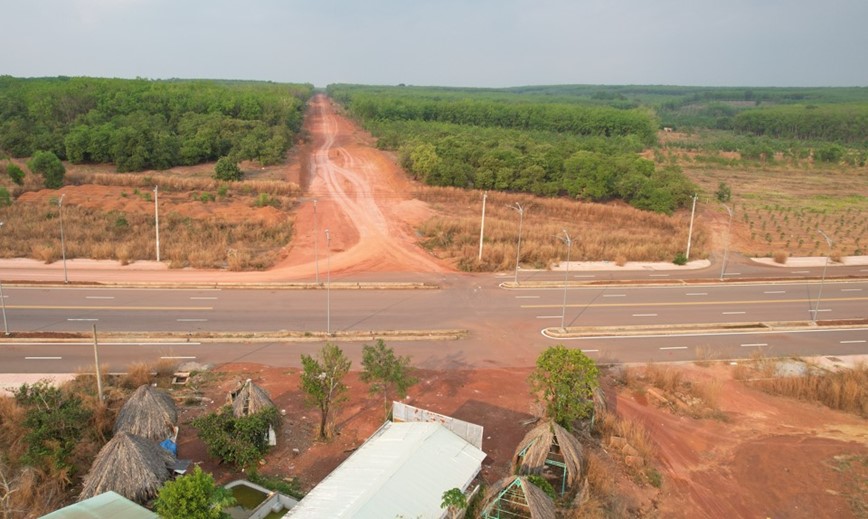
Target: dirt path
x=362 y=199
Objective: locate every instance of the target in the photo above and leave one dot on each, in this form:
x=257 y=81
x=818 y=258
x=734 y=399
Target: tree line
x=142 y=124
x=596 y=167
x=843 y=123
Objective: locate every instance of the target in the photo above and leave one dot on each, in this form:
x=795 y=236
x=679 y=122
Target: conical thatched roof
x=521 y=497
x=541 y=443
x=149 y=413
x=249 y=399
x=130 y=465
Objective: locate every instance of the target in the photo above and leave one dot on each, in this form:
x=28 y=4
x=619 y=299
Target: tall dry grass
x=845 y=390
x=610 y=232
x=33 y=230
x=178 y=183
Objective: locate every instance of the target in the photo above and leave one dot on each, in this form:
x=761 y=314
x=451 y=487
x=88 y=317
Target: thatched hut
x=550 y=445
x=517 y=497
x=149 y=413
x=130 y=465
x=248 y=399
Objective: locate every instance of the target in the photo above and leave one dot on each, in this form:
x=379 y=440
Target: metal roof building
x=107 y=505
x=401 y=470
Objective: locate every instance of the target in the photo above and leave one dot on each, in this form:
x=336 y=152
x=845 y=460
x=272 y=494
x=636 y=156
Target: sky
x=475 y=43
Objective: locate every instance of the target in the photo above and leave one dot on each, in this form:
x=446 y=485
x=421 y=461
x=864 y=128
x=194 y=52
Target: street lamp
x=726 y=247
x=157 y=218
x=3 y=304
x=62 y=242
x=315 y=242
x=328 y=283
x=520 y=210
x=823 y=278
x=566 y=239
x=690 y=231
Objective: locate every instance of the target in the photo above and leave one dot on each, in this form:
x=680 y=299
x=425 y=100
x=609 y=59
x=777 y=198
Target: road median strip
x=700 y=328
x=277 y=285
x=278 y=336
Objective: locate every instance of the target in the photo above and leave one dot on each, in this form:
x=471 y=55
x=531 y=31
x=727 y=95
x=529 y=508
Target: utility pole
x=823 y=278
x=328 y=283
x=315 y=242
x=157 y=218
x=96 y=364
x=690 y=232
x=3 y=303
x=482 y=227
x=520 y=210
x=566 y=239
x=62 y=242
x=726 y=246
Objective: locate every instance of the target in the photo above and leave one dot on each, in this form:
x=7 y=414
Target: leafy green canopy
x=241 y=441
x=49 y=166
x=564 y=381
x=140 y=124
x=193 y=496
x=386 y=372
x=322 y=382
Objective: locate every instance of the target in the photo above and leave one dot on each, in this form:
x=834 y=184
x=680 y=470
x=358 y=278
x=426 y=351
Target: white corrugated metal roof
x=107 y=505
x=400 y=471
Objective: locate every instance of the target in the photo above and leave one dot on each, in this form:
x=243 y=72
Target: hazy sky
x=485 y=43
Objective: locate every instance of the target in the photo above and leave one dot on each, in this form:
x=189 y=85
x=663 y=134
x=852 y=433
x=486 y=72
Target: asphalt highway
x=504 y=325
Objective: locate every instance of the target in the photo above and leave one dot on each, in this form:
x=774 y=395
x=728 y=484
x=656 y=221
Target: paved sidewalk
x=14 y=380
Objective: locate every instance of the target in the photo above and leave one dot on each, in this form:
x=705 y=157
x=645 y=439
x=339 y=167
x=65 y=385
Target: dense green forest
x=141 y=124
x=497 y=140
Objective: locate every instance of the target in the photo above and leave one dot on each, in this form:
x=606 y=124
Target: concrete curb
x=278 y=285
x=700 y=328
x=246 y=337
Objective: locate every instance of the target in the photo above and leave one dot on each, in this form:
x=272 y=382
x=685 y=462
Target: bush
x=724 y=192
x=49 y=166
x=781 y=257
x=193 y=496
x=15 y=173
x=240 y=441
x=680 y=259
x=227 y=169
x=5 y=197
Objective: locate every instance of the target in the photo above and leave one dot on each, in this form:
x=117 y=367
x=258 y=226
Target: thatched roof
x=148 y=412
x=537 y=447
x=249 y=399
x=130 y=465
x=521 y=497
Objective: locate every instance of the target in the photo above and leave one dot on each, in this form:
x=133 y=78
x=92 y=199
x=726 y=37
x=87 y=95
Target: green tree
x=49 y=166
x=15 y=173
x=5 y=197
x=322 y=382
x=241 y=441
x=227 y=169
x=724 y=192
x=385 y=371
x=564 y=381
x=454 y=501
x=193 y=496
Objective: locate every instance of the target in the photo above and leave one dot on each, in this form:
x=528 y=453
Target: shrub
x=193 y=496
x=5 y=197
x=49 y=166
x=227 y=169
x=723 y=193
x=241 y=441
x=781 y=257
x=680 y=259
x=15 y=173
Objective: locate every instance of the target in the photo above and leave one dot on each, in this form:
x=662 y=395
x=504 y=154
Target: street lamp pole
x=690 y=232
x=157 y=218
x=328 y=283
x=566 y=239
x=315 y=242
x=520 y=210
x=482 y=225
x=3 y=304
x=62 y=242
x=726 y=246
x=823 y=278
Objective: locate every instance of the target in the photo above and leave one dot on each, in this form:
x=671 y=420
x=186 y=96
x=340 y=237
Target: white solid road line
x=82 y=319
x=658 y=275
x=590 y=351
x=775 y=292
x=43 y=358
x=178 y=358
x=732 y=274
x=614 y=295
x=851 y=290
x=853 y=342
x=644 y=315
x=585 y=276
x=674 y=348
x=733 y=313
x=99 y=297
x=191 y=320
x=800 y=271
x=527 y=297
x=194 y=297
x=697 y=293
x=59 y=343
x=549 y=316
x=753 y=345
